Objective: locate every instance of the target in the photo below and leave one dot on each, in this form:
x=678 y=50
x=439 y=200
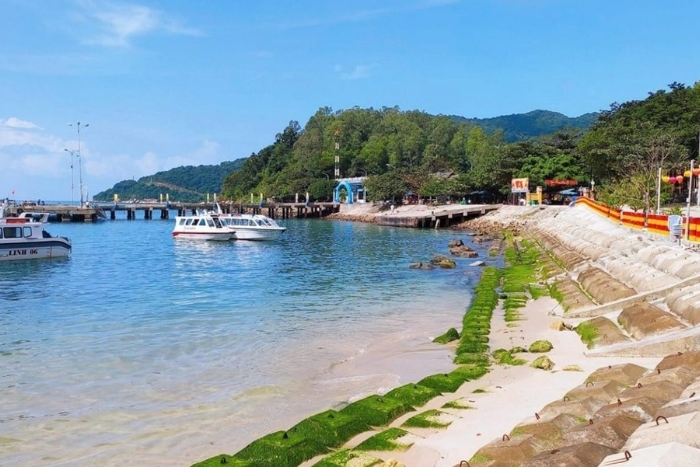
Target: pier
x=96 y=211
x=434 y=217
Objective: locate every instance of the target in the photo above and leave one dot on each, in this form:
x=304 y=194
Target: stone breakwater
x=640 y=292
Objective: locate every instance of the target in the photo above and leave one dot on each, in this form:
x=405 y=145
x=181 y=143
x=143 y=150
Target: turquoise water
x=142 y=349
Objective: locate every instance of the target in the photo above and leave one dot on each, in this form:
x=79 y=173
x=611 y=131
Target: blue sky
x=165 y=83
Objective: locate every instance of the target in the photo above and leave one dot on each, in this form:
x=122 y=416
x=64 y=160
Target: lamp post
x=327 y=177
x=80 y=165
x=72 y=198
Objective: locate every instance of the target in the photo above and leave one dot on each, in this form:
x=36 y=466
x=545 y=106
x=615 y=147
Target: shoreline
x=511 y=395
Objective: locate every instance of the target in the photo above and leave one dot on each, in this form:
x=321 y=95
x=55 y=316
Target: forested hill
x=370 y=142
x=188 y=183
x=533 y=124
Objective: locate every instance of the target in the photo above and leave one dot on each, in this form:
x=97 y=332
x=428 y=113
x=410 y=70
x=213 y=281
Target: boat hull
x=243 y=233
x=208 y=236
x=35 y=249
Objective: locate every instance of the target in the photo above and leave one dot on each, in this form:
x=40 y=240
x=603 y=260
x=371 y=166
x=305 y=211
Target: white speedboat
x=250 y=226
x=25 y=238
x=202 y=226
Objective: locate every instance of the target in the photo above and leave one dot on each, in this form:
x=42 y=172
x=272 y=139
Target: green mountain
x=370 y=142
x=188 y=183
x=533 y=124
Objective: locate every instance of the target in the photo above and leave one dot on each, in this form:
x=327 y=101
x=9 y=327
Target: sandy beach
x=586 y=244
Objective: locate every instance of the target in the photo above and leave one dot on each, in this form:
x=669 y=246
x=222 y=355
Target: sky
x=157 y=84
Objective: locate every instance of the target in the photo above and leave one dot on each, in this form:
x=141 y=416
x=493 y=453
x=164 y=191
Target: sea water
x=144 y=350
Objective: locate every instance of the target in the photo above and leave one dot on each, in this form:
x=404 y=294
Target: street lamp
x=72 y=199
x=80 y=165
x=327 y=177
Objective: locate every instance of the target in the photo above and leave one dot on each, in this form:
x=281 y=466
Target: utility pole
x=80 y=158
x=336 y=135
x=72 y=198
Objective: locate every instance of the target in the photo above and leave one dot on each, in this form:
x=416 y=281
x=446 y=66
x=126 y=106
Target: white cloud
x=359 y=72
x=116 y=24
x=36 y=165
x=14 y=122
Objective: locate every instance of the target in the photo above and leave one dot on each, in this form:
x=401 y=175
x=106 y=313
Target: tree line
x=411 y=151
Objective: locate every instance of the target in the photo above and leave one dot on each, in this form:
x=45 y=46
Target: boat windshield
x=217 y=223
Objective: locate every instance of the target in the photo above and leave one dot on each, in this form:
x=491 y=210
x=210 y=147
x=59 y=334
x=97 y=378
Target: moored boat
x=202 y=226
x=25 y=238
x=250 y=226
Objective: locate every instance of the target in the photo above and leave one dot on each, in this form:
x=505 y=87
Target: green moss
x=479 y=391
x=414 y=395
x=478 y=457
x=540 y=346
x=223 y=459
x=588 y=333
x=331 y=428
x=542 y=363
x=377 y=410
x=385 y=441
x=457 y=404
x=348 y=457
x=449 y=336
x=427 y=419
x=280 y=449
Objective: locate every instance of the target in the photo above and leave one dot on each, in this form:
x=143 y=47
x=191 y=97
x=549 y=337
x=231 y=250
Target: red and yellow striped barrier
x=655 y=223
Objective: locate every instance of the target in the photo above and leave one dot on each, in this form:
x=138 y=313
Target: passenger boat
x=25 y=238
x=202 y=226
x=250 y=226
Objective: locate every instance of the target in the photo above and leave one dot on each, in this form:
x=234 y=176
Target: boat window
x=0 y=233
x=217 y=223
x=210 y=222
x=12 y=232
x=202 y=223
x=182 y=221
x=27 y=231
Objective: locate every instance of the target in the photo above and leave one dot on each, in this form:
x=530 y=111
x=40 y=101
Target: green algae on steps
x=348 y=457
x=427 y=419
x=377 y=410
x=416 y=395
x=449 y=336
x=331 y=428
x=387 y=440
